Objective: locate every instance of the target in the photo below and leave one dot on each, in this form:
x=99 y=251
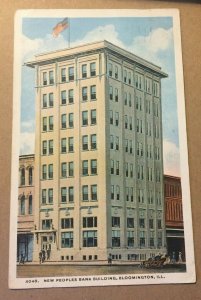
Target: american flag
x=61 y=26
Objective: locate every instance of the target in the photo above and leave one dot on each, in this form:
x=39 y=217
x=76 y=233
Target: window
x=44 y=172
x=110 y=68
x=127 y=193
x=117 y=143
x=111 y=92
x=151 y=239
x=131 y=194
x=46 y=224
x=84 y=118
x=85 y=167
x=94 y=192
x=84 y=93
x=89 y=222
x=44 y=123
x=51 y=77
x=142 y=239
x=151 y=223
x=159 y=222
x=66 y=223
x=85 y=194
x=93 y=92
x=22 y=176
x=70 y=96
x=117 y=167
x=129 y=77
x=160 y=235
x=71 y=169
x=131 y=146
x=125 y=98
x=63 y=145
x=117 y=192
x=70 y=144
x=90 y=238
x=126 y=145
x=111 y=166
x=125 y=76
x=22 y=206
x=111 y=117
x=93 y=142
x=116 y=95
x=63 y=194
x=130 y=222
x=142 y=223
x=63 y=121
x=63 y=75
x=50 y=196
x=115 y=221
x=130 y=238
x=126 y=122
x=71 y=73
x=44 y=143
x=116 y=118
x=70 y=120
x=51 y=147
x=93 y=167
x=44 y=100
x=44 y=196
x=66 y=239
x=63 y=169
x=93 y=69
x=63 y=97
x=84 y=71
x=30 y=176
x=126 y=169
x=115 y=238
x=111 y=142
x=129 y=100
x=130 y=123
x=71 y=194
x=85 y=142
x=51 y=124
x=30 y=205
x=112 y=192
x=116 y=72
x=51 y=100
x=50 y=171
x=131 y=170
x=93 y=116
x=44 y=78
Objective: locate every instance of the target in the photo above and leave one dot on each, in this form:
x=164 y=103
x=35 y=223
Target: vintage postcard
x=100 y=179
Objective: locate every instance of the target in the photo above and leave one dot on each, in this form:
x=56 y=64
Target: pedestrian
x=43 y=255
x=109 y=259
x=48 y=254
x=40 y=256
x=180 y=257
x=173 y=257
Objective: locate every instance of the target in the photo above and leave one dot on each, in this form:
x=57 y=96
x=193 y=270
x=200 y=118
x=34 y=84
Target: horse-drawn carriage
x=153 y=262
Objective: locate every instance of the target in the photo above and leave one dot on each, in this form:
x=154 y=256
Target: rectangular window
x=126 y=169
x=51 y=123
x=116 y=118
x=142 y=239
x=89 y=222
x=50 y=171
x=84 y=118
x=111 y=92
x=70 y=144
x=44 y=123
x=151 y=239
x=126 y=145
x=130 y=222
x=117 y=167
x=110 y=69
x=44 y=172
x=85 y=168
x=115 y=238
x=93 y=69
x=93 y=116
x=71 y=169
x=50 y=196
x=131 y=170
x=84 y=71
x=63 y=97
x=112 y=192
x=94 y=192
x=51 y=147
x=51 y=99
x=142 y=223
x=84 y=93
x=30 y=205
x=51 y=77
x=129 y=100
x=63 y=194
x=116 y=72
x=125 y=98
x=93 y=92
x=44 y=78
x=63 y=145
x=85 y=142
x=44 y=148
x=94 y=167
x=130 y=238
x=111 y=166
x=71 y=73
x=125 y=76
x=71 y=194
x=63 y=121
x=63 y=169
x=63 y=75
x=129 y=77
x=93 y=142
x=131 y=194
x=71 y=120
x=127 y=193
x=44 y=196
x=159 y=222
x=130 y=123
x=117 y=192
x=67 y=240
x=126 y=122
x=71 y=96
x=115 y=221
x=90 y=238
x=85 y=193
x=66 y=223
x=44 y=100
x=111 y=142
x=151 y=223
x=117 y=143
x=46 y=224
x=116 y=95
x=111 y=117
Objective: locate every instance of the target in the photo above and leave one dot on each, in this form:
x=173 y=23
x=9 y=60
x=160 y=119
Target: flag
x=61 y=26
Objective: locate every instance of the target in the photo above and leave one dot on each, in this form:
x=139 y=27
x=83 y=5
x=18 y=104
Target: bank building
x=98 y=155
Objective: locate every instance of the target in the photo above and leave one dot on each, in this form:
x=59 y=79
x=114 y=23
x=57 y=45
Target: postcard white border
x=124 y=279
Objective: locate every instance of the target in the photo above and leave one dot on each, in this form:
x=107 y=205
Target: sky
x=149 y=37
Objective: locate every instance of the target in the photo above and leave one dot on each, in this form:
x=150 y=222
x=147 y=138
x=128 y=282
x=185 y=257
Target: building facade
x=25 y=220
x=98 y=159
x=174 y=216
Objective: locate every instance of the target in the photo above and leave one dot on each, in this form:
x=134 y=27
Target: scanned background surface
x=191 y=48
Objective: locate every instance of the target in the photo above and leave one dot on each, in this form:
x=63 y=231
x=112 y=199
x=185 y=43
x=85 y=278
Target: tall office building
x=98 y=155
